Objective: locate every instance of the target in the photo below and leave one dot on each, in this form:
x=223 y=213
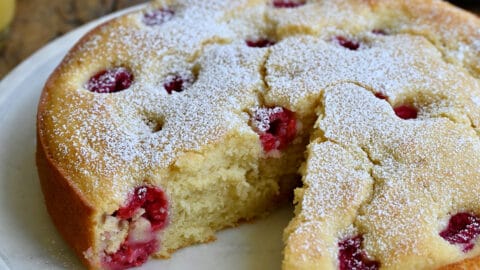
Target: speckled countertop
x=39 y=21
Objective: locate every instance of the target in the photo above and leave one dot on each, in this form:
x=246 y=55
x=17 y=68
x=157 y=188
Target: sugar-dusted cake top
x=394 y=85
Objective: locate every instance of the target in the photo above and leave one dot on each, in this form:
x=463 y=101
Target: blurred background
x=36 y=22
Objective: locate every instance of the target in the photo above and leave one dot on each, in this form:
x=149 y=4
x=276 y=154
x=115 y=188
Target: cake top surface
x=140 y=91
x=393 y=181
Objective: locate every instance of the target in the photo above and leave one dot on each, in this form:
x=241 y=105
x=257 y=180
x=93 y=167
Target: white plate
x=28 y=239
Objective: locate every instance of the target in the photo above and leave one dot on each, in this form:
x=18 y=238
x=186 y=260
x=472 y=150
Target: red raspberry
x=260 y=43
x=177 y=83
x=349 y=44
x=406 y=112
x=381 y=95
x=110 y=80
x=156 y=208
x=276 y=126
x=288 y=3
x=153 y=200
x=130 y=255
x=351 y=256
x=463 y=229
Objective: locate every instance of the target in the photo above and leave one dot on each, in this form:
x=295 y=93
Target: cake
x=165 y=125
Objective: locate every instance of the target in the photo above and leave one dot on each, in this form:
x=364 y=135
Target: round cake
x=165 y=125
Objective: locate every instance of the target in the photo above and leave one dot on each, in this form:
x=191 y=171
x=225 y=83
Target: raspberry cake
x=167 y=124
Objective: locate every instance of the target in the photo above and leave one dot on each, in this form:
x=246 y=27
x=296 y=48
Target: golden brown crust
x=70 y=213
x=469 y=264
x=73 y=219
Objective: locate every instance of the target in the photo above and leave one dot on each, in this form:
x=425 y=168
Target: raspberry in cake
x=177 y=83
x=351 y=256
x=406 y=112
x=462 y=229
x=260 y=43
x=276 y=126
x=110 y=80
x=347 y=43
x=152 y=201
x=288 y=3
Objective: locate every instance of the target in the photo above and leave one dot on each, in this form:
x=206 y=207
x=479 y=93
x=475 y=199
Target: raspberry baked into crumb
x=170 y=123
x=146 y=212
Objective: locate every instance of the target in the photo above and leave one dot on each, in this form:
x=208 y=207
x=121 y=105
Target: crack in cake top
x=143 y=129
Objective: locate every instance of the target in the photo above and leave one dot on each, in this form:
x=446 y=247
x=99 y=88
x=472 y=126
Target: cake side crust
x=74 y=219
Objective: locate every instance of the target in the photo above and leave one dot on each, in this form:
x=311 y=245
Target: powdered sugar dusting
x=379 y=172
x=384 y=66
x=108 y=137
x=368 y=170
x=261 y=117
